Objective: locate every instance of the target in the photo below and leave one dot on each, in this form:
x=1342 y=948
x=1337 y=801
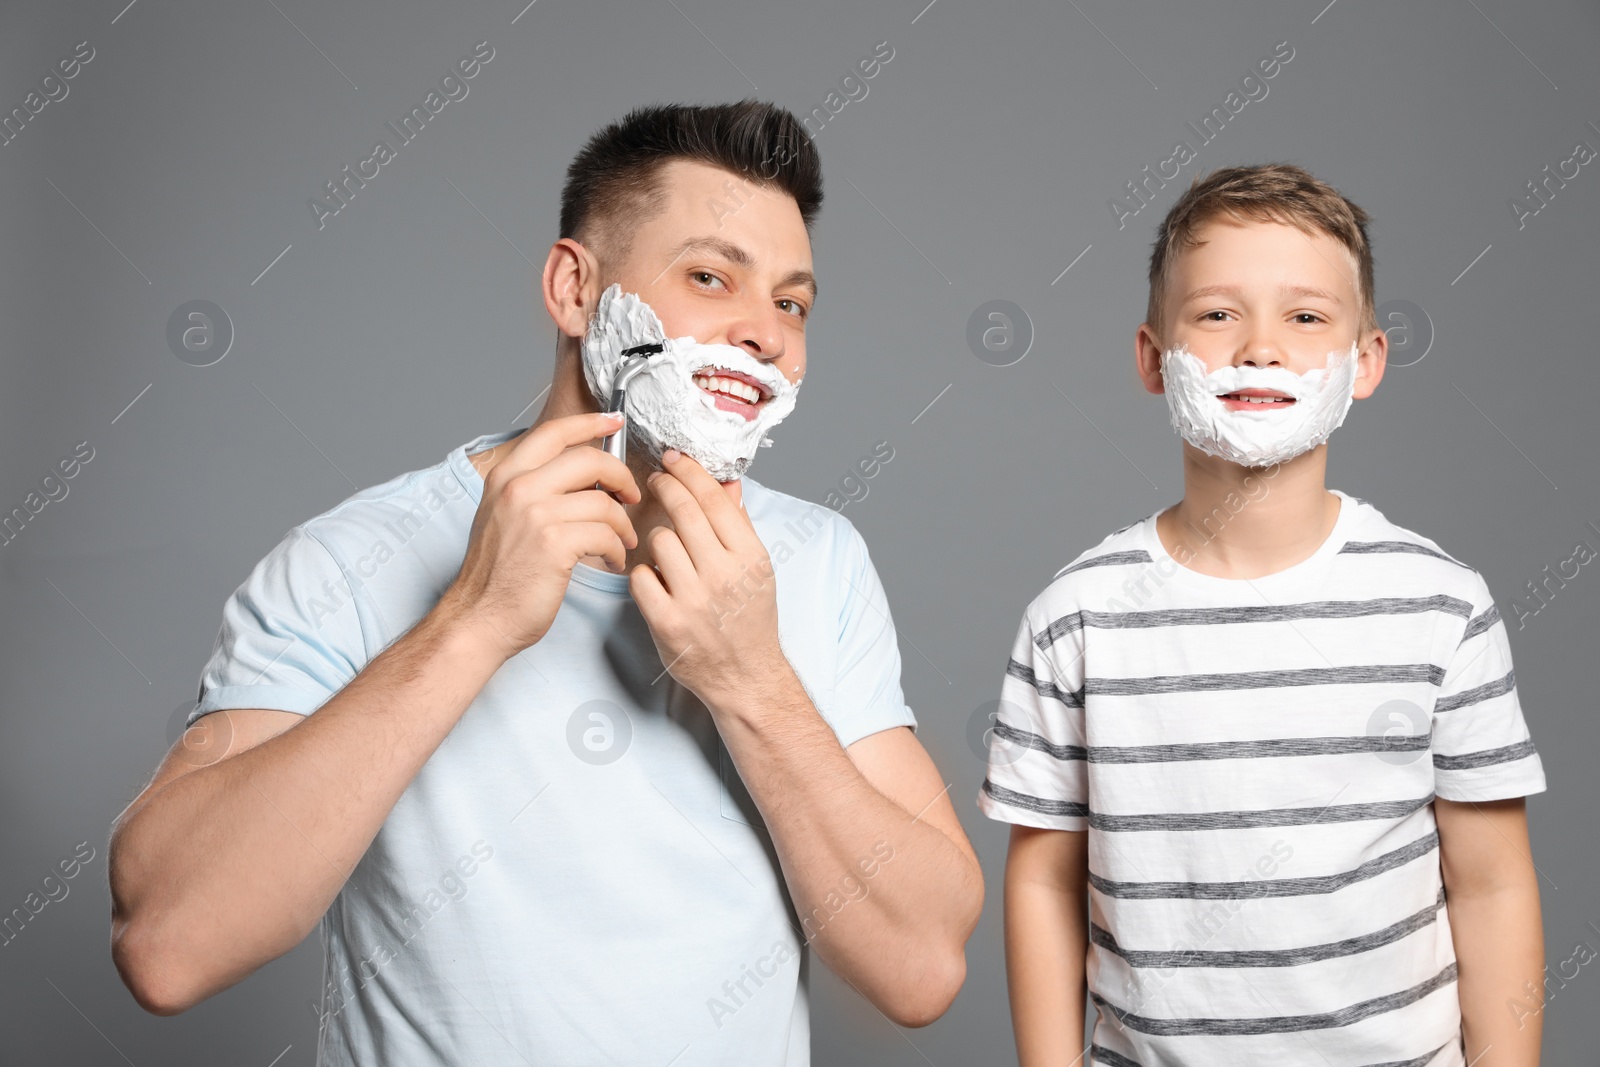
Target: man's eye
x=794 y=307
x=706 y=276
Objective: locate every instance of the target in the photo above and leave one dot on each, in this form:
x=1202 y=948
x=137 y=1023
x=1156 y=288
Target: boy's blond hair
x=1268 y=192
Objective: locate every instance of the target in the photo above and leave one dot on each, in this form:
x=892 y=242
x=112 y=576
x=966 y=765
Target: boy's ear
x=1371 y=360
x=1147 y=359
x=571 y=284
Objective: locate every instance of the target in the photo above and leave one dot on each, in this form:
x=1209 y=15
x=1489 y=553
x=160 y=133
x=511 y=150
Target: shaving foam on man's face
x=1209 y=413
x=681 y=399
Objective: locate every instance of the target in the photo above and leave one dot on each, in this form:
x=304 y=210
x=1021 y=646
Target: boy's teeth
x=729 y=386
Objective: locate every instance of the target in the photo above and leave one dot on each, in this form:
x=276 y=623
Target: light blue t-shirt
x=577 y=875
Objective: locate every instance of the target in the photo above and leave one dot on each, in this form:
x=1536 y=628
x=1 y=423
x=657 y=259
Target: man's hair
x=613 y=185
x=1270 y=192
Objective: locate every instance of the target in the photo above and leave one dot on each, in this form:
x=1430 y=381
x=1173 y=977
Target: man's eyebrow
x=803 y=278
x=726 y=249
x=739 y=257
x=1283 y=290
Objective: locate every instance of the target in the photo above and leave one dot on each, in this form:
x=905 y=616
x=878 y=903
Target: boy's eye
x=1215 y=316
x=1306 y=317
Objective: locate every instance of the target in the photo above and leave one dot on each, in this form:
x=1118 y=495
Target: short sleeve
x=1480 y=743
x=867 y=697
x=1037 y=773
x=290 y=637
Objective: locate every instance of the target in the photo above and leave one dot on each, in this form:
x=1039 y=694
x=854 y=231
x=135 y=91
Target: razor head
x=633 y=361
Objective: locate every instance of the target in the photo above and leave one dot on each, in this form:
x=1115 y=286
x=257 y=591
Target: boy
x=1263 y=735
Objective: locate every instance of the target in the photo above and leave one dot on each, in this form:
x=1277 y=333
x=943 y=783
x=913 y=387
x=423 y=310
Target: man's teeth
x=730 y=387
x=1260 y=399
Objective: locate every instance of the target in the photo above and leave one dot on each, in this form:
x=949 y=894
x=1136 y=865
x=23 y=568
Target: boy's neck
x=1243 y=522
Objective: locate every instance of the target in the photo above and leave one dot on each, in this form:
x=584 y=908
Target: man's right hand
x=221 y=864
x=540 y=514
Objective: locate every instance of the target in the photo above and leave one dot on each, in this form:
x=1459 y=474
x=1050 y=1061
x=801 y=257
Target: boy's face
x=725 y=262
x=1262 y=294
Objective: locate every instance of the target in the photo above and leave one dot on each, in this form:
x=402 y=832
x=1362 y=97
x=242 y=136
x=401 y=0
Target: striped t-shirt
x=1255 y=761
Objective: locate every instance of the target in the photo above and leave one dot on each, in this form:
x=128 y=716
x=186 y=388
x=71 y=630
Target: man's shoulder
x=789 y=524
x=397 y=508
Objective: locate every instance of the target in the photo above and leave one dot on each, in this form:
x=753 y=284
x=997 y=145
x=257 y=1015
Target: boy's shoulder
x=1099 y=578
x=1119 y=548
x=1095 y=576
x=1372 y=539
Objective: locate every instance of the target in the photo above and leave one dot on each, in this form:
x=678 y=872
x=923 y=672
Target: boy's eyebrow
x=1283 y=290
x=739 y=257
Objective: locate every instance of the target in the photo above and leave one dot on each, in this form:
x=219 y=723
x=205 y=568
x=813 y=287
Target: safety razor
x=633 y=361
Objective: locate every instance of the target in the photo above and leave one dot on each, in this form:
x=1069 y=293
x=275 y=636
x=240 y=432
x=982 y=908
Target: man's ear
x=571 y=285
x=1371 y=360
x=1147 y=359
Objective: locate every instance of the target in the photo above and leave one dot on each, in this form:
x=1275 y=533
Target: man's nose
x=757 y=329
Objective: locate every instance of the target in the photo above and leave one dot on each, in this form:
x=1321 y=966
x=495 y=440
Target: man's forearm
x=896 y=933
x=1499 y=947
x=231 y=865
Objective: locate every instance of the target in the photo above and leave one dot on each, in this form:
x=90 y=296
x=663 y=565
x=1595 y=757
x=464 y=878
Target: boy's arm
x=1492 y=897
x=1047 y=934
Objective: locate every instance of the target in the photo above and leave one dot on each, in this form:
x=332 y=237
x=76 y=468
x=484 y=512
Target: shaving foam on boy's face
x=1260 y=434
x=665 y=407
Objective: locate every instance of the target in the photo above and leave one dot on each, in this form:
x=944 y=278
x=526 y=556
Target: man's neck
x=1242 y=522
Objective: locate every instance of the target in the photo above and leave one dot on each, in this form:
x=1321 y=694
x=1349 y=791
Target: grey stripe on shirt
x=1049 y=690
x=1224 y=616
x=1280 y=1024
x=1101 y=1055
x=1208 y=820
x=1283 y=957
x=1486 y=758
x=1268 y=887
x=1264 y=748
x=1238 y=820
x=1110 y=559
x=1479 y=625
x=1420 y=1061
x=1188 y=683
x=1389 y=547
x=1045 y=807
x=1478 y=694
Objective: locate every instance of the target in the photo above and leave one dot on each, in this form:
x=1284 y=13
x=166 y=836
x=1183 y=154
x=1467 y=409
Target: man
x=590 y=799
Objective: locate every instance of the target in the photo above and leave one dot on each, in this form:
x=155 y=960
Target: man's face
x=725 y=262
x=1262 y=293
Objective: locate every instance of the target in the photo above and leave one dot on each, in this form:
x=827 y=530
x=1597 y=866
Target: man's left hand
x=711 y=600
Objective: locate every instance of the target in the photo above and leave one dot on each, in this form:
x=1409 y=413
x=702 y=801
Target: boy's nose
x=1260 y=350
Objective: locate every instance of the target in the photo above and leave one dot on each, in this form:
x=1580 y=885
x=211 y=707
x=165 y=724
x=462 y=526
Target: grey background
x=978 y=167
